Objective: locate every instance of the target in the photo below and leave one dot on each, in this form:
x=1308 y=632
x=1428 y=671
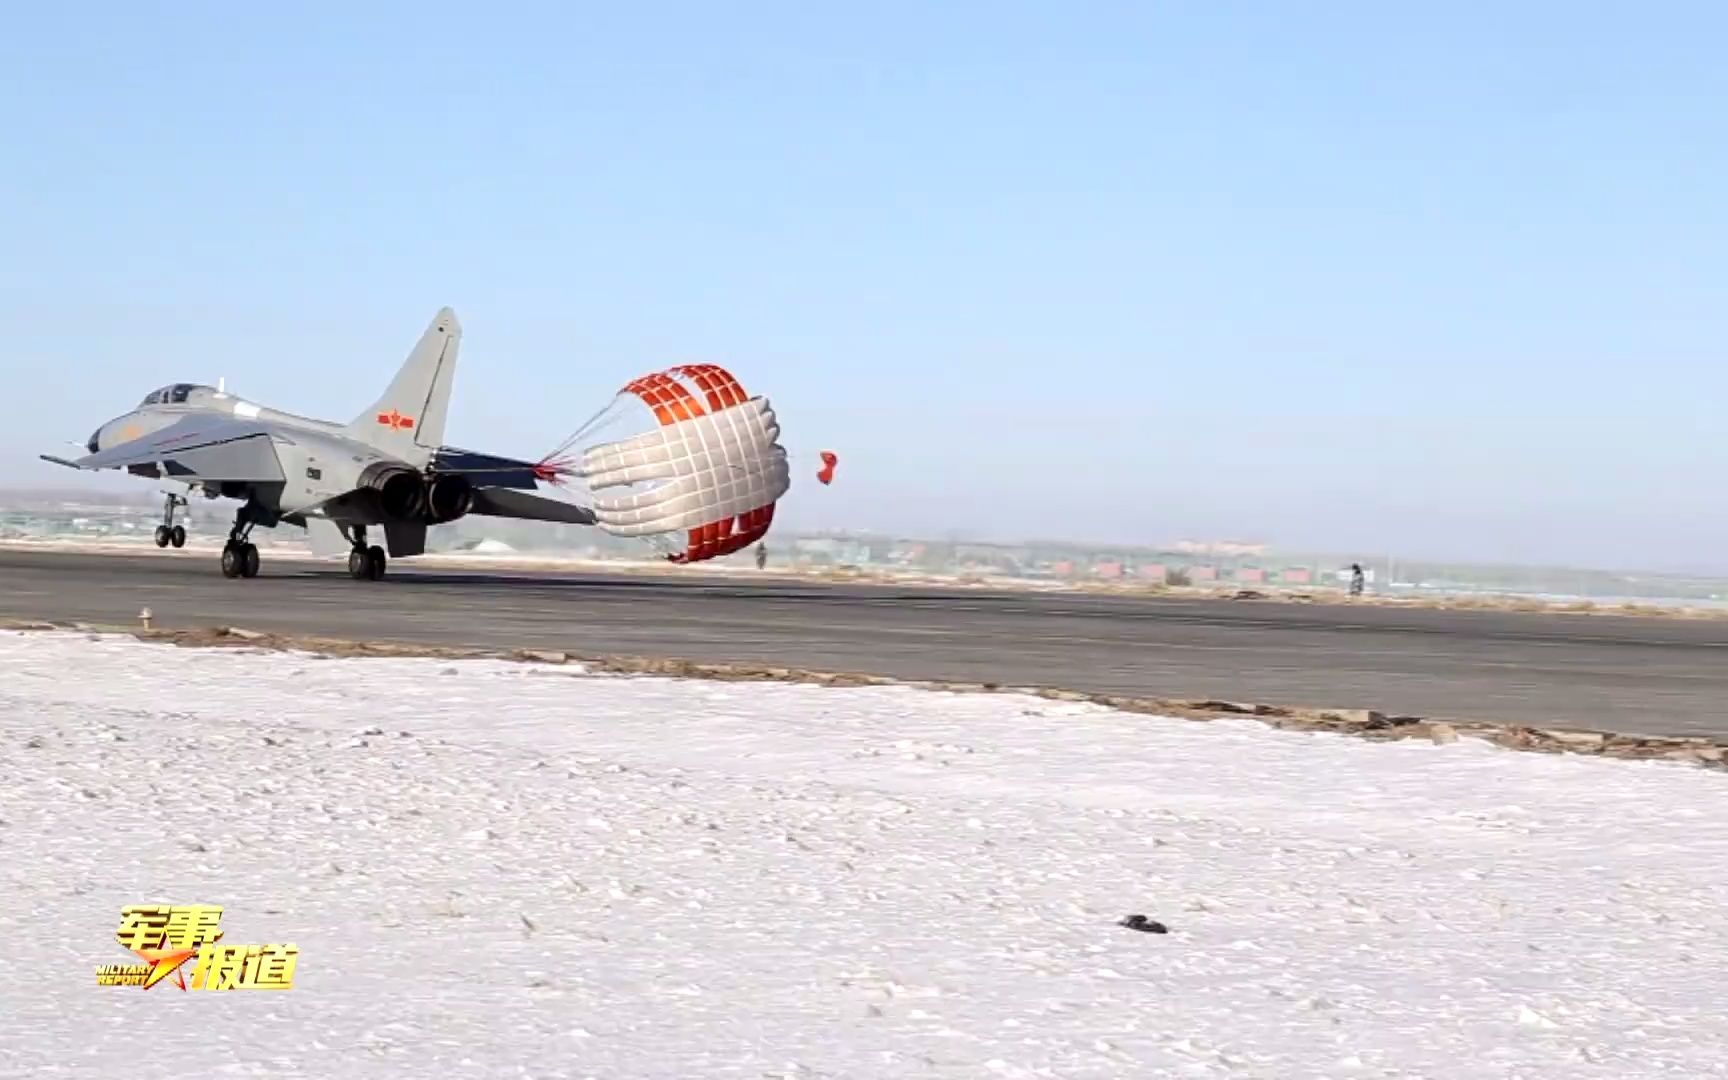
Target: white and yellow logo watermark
x=166 y=936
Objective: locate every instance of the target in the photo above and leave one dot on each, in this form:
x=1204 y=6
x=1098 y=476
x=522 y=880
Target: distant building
x=1231 y=549
x=1108 y=569
x=1250 y=574
x=1295 y=575
x=1153 y=572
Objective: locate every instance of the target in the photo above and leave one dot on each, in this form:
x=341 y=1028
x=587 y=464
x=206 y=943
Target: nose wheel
x=168 y=532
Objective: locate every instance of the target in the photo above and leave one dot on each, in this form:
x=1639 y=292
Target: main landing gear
x=168 y=532
x=239 y=555
x=364 y=563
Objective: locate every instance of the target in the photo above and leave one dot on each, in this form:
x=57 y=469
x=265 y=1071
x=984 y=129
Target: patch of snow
x=497 y=869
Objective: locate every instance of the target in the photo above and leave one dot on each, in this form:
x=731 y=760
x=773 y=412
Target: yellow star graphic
x=163 y=963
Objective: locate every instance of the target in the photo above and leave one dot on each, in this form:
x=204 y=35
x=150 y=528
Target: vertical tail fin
x=408 y=421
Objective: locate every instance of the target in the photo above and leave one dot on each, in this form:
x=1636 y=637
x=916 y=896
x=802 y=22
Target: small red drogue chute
x=829 y=461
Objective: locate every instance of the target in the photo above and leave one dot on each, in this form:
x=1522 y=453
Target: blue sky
x=1445 y=282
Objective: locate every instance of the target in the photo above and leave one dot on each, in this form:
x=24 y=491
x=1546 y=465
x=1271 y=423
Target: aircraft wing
x=195 y=448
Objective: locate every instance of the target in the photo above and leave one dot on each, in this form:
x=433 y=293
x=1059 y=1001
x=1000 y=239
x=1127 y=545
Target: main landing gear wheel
x=163 y=535
x=366 y=564
x=240 y=560
x=239 y=555
x=177 y=536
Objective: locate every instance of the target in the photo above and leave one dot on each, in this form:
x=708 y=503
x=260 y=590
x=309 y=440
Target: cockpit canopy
x=177 y=394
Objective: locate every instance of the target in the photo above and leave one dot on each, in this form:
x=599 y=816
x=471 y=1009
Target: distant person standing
x=1357 y=579
x=761 y=556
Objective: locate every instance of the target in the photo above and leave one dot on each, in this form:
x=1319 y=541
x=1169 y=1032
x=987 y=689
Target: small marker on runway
x=144 y=617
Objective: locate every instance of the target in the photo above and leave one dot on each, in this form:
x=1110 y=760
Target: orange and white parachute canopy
x=697 y=459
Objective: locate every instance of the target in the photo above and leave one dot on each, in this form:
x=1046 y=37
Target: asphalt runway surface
x=1612 y=673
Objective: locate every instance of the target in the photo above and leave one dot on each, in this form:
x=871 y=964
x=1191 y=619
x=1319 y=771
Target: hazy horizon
x=1446 y=284
x=142 y=497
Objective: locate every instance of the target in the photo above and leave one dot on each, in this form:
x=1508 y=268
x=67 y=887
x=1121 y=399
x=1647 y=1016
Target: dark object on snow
x=1144 y=925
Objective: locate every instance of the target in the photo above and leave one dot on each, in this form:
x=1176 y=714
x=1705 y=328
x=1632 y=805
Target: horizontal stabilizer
x=58 y=460
x=487 y=470
x=510 y=503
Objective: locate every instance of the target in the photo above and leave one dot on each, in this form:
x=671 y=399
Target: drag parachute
x=689 y=462
x=829 y=461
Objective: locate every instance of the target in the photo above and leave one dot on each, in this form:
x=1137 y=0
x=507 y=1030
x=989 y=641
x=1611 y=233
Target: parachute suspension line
x=557 y=465
x=575 y=436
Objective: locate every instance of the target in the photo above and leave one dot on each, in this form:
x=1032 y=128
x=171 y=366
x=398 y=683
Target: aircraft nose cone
x=95 y=443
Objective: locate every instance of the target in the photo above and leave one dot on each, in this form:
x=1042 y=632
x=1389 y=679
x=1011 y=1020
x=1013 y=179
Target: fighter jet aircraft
x=387 y=467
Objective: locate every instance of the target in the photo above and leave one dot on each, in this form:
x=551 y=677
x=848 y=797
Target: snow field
x=499 y=870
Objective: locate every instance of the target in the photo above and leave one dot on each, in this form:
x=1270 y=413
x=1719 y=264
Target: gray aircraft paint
x=387 y=467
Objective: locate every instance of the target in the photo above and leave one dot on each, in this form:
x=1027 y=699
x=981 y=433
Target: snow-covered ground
x=501 y=870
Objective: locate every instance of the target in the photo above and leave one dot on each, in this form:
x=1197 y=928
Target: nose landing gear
x=168 y=532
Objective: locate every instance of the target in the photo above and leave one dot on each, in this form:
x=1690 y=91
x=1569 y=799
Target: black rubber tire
x=161 y=536
x=357 y=564
x=177 y=536
x=231 y=561
x=249 y=560
x=375 y=563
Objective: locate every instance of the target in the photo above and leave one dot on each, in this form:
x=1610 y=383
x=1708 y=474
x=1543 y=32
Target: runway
x=1631 y=675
